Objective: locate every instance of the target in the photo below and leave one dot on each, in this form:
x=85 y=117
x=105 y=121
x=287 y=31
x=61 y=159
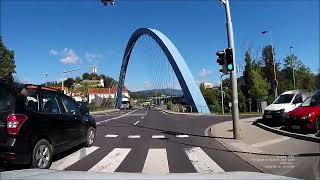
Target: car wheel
x=42 y=155
x=91 y=134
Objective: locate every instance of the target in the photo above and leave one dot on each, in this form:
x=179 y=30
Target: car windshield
x=314 y=100
x=284 y=98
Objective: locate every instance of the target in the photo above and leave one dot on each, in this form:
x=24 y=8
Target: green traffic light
x=230 y=67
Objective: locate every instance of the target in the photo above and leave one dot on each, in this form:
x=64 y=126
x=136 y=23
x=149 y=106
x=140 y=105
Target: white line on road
x=158 y=136
x=72 y=158
x=202 y=162
x=156 y=161
x=270 y=142
x=134 y=136
x=136 y=123
x=142 y=117
x=111 y=135
x=107 y=120
x=112 y=161
x=182 y=136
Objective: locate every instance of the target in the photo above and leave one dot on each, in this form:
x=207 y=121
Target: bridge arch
x=189 y=86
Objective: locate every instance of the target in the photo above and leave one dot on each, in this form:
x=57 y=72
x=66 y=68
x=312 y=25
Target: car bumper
x=300 y=124
x=14 y=151
x=276 y=117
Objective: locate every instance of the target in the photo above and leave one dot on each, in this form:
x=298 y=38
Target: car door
x=52 y=122
x=71 y=112
x=297 y=101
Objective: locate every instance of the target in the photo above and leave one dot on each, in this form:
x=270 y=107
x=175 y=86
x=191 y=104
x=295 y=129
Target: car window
x=284 y=98
x=69 y=106
x=298 y=99
x=6 y=99
x=32 y=101
x=49 y=103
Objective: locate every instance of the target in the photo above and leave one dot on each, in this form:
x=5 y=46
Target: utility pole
x=235 y=108
x=293 y=64
x=222 y=92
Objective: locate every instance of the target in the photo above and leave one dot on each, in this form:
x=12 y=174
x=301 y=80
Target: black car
x=37 y=122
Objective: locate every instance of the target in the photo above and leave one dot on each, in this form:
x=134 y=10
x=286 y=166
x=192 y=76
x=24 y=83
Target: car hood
x=276 y=107
x=303 y=111
x=53 y=174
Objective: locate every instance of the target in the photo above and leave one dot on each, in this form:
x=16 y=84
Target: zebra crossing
x=156 y=160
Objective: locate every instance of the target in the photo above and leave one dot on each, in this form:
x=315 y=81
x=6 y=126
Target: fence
x=187 y=108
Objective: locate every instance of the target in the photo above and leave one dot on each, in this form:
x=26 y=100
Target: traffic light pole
x=235 y=108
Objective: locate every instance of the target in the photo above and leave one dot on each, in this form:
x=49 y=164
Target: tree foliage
x=7 y=62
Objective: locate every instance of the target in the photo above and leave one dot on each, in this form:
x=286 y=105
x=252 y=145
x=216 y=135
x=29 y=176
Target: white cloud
x=147 y=85
x=204 y=72
x=92 y=57
x=53 y=52
x=70 y=57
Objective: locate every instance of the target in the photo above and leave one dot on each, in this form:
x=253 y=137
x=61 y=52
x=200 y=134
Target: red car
x=307 y=115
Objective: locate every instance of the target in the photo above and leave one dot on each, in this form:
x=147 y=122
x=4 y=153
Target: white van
x=287 y=101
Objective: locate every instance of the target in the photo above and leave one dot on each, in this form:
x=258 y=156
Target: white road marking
x=142 y=117
x=157 y=136
x=112 y=161
x=202 y=162
x=111 y=135
x=136 y=123
x=182 y=136
x=134 y=136
x=156 y=161
x=146 y=113
x=107 y=120
x=270 y=142
x=72 y=158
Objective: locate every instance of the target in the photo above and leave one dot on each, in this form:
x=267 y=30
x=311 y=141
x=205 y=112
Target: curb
x=191 y=114
x=285 y=133
x=209 y=132
x=110 y=110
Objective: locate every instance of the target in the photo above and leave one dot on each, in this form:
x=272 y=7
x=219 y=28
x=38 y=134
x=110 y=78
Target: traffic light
x=229 y=60
x=221 y=60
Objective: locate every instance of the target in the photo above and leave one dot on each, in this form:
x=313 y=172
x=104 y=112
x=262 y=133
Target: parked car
x=37 y=122
x=307 y=115
x=287 y=101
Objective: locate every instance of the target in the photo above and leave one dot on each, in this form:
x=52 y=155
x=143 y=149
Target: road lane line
x=72 y=158
x=107 y=120
x=157 y=136
x=142 y=117
x=111 y=135
x=112 y=161
x=134 y=136
x=270 y=142
x=202 y=162
x=136 y=123
x=182 y=136
x=156 y=161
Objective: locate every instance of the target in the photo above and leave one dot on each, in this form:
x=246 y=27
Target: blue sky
x=51 y=36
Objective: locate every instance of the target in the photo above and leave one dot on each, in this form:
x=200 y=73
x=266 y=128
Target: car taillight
x=14 y=123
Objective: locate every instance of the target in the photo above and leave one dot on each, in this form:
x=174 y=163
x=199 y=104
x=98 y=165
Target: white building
x=207 y=85
x=107 y=93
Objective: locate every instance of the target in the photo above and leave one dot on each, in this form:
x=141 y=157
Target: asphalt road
x=151 y=141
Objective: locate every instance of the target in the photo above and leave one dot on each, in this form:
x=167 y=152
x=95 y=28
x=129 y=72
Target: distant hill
x=151 y=92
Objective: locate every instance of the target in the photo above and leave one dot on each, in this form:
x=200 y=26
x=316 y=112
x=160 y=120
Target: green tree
x=260 y=85
x=68 y=82
x=7 y=62
x=86 y=76
x=77 y=79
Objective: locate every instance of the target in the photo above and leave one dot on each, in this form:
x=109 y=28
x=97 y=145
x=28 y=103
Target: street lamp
x=293 y=66
x=274 y=65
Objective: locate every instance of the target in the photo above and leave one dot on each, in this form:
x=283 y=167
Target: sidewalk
x=270 y=152
x=105 y=111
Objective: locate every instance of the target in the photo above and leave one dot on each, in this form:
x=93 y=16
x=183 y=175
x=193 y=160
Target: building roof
x=112 y=90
